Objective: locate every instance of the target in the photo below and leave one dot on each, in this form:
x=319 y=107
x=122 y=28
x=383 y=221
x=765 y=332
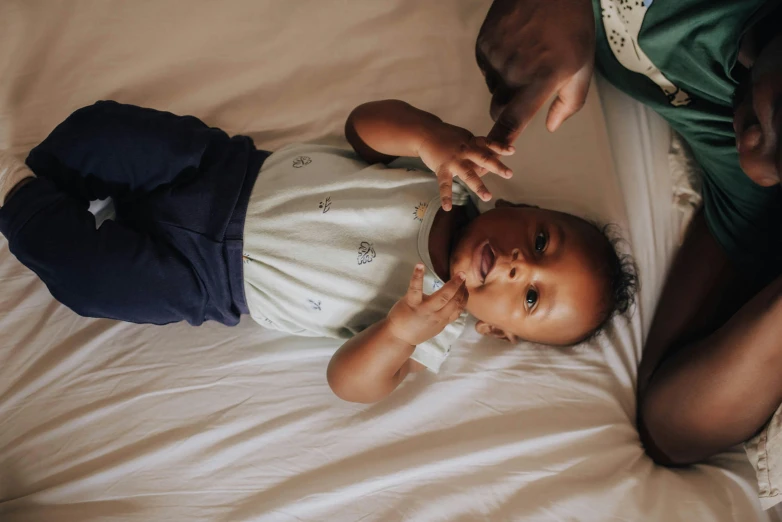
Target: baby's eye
x=540 y=242
x=532 y=297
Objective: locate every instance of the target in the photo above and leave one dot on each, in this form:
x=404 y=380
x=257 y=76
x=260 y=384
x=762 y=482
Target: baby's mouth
x=488 y=260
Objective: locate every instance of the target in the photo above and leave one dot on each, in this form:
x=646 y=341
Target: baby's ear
x=489 y=330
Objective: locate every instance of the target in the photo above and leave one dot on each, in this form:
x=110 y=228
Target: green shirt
x=692 y=49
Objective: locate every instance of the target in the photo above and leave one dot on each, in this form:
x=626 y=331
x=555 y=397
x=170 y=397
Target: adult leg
x=721 y=352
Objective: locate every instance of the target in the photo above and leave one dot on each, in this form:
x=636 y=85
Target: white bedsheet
x=108 y=421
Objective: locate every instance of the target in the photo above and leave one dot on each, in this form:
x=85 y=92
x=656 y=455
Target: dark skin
x=530 y=51
x=524 y=272
x=373 y=363
x=709 y=377
x=546 y=283
x=690 y=338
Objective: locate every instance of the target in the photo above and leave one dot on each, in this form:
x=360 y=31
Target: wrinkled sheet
x=108 y=421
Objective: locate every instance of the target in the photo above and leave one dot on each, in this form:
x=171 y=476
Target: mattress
x=107 y=421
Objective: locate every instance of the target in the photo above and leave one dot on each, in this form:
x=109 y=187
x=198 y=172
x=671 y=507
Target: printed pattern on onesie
x=331 y=243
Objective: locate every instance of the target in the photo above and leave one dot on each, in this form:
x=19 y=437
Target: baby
x=311 y=240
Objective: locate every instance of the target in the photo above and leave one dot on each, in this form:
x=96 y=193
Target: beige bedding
x=106 y=421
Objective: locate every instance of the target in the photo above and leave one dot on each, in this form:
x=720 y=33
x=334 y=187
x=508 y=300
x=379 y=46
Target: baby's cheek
x=477 y=303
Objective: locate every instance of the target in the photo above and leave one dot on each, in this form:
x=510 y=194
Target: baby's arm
x=372 y=364
x=384 y=130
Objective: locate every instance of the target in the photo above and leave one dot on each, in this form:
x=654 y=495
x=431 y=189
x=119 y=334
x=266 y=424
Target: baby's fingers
x=455 y=307
x=415 y=292
x=486 y=158
x=450 y=291
x=473 y=180
x=444 y=183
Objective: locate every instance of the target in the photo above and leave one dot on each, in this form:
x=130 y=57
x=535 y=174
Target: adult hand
x=529 y=50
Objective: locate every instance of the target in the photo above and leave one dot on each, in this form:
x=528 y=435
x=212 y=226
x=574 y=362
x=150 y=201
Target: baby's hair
x=622 y=275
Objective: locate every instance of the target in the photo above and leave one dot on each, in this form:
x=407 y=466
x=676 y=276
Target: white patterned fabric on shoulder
x=622 y=20
x=764 y=452
x=330 y=243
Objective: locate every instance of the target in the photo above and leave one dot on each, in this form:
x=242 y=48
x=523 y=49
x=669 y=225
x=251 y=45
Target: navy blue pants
x=180 y=189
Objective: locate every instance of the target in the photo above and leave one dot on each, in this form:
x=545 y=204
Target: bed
x=108 y=421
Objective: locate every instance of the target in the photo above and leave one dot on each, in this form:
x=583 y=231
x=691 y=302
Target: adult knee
x=670 y=440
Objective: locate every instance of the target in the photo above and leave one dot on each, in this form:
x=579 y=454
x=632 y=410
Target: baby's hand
x=452 y=151
x=416 y=317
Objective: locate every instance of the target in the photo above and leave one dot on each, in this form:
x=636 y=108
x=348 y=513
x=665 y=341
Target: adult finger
x=415 y=292
x=517 y=114
x=444 y=295
x=571 y=98
x=473 y=180
x=445 y=185
x=500 y=98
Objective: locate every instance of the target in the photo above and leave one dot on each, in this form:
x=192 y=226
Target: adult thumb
x=570 y=99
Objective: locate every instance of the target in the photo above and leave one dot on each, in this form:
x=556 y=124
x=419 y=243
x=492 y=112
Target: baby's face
x=533 y=274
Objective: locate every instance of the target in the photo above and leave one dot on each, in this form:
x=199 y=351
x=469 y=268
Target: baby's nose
x=516 y=264
x=517 y=257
